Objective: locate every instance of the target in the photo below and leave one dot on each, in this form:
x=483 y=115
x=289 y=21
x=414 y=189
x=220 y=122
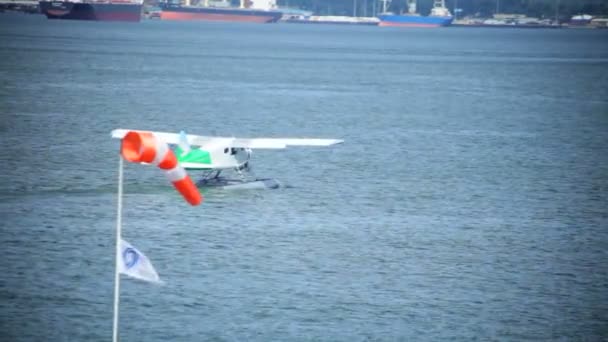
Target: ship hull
x=414 y=21
x=91 y=11
x=219 y=14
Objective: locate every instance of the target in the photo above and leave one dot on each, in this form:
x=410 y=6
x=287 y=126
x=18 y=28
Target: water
x=468 y=201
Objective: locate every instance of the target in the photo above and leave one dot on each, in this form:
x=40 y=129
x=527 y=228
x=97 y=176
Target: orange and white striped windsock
x=145 y=147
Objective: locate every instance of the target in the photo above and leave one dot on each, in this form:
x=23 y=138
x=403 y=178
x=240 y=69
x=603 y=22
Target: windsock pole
x=118 y=235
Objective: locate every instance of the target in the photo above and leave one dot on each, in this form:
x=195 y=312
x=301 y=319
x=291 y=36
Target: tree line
x=484 y=8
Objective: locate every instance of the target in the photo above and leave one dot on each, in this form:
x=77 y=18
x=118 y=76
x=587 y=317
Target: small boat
x=580 y=20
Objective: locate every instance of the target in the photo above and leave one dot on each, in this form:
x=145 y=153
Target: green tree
x=537 y=8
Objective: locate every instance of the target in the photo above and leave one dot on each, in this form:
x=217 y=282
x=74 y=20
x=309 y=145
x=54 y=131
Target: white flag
x=135 y=264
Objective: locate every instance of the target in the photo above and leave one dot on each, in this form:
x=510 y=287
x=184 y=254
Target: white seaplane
x=214 y=155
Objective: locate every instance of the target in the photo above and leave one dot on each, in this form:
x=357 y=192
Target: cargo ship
x=111 y=10
x=255 y=11
x=439 y=16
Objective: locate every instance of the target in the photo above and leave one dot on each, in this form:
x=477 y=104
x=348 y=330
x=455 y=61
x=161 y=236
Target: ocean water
x=468 y=202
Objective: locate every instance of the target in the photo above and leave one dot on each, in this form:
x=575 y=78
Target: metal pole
x=118 y=235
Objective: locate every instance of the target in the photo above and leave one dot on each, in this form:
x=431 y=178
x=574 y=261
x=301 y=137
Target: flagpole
x=118 y=237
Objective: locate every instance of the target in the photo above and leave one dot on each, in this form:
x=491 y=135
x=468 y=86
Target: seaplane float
x=224 y=162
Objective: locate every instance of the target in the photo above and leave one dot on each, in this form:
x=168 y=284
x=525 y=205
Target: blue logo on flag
x=130 y=257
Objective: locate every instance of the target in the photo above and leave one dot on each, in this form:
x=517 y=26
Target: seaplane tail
x=184 y=146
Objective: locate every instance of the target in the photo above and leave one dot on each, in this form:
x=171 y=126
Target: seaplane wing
x=273 y=143
x=255 y=143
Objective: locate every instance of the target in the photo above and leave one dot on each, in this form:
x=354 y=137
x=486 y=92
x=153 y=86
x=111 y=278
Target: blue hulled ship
x=439 y=16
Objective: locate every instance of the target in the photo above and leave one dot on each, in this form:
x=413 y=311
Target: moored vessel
x=331 y=19
x=580 y=20
x=506 y=21
x=111 y=10
x=439 y=16
x=587 y=21
x=256 y=11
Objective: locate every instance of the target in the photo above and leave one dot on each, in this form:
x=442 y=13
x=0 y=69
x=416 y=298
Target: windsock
x=145 y=147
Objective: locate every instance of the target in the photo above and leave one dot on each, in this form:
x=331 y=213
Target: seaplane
x=225 y=162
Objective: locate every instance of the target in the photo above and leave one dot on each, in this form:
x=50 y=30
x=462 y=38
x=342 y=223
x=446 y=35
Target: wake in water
x=25 y=190
x=142 y=188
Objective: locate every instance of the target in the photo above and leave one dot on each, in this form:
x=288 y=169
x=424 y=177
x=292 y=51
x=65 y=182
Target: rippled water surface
x=469 y=200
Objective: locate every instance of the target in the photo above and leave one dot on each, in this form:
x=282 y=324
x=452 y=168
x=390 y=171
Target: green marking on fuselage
x=194 y=156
